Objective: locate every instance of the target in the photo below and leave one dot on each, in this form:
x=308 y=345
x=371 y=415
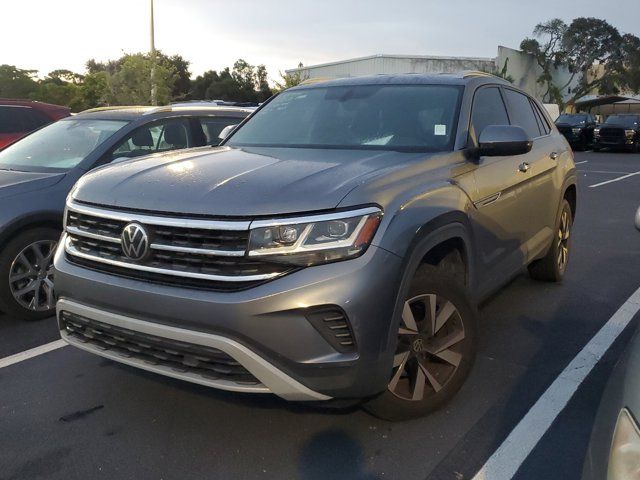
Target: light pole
x=154 y=86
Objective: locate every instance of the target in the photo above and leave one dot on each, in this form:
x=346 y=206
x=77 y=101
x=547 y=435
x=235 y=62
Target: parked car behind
x=577 y=128
x=619 y=132
x=19 y=117
x=334 y=247
x=37 y=172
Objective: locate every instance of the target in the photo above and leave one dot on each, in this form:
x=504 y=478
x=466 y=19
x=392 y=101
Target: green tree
x=16 y=82
x=548 y=55
x=131 y=83
x=290 y=79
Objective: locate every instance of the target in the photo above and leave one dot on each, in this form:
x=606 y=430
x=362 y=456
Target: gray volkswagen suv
x=334 y=247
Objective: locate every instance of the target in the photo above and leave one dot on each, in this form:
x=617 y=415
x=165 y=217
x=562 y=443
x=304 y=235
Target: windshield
x=59 y=146
x=628 y=121
x=384 y=117
x=572 y=119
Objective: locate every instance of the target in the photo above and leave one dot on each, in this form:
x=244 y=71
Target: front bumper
x=265 y=328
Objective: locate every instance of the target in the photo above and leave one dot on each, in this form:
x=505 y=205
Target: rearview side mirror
x=226 y=131
x=502 y=140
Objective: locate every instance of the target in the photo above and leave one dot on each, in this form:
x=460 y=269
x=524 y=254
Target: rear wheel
x=26 y=274
x=552 y=267
x=435 y=350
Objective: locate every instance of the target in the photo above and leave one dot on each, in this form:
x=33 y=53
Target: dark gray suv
x=334 y=247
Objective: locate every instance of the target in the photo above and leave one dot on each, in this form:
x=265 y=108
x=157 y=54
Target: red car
x=19 y=117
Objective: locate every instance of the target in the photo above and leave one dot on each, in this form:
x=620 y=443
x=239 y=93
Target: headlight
x=624 y=459
x=576 y=130
x=629 y=133
x=314 y=240
x=596 y=131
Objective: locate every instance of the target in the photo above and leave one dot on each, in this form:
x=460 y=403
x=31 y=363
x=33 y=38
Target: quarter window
x=522 y=113
x=488 y=109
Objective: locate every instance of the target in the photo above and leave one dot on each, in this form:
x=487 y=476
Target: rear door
x=538 y=193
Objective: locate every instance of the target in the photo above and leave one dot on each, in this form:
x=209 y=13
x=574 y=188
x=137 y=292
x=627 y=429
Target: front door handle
x=553 y=155
x=523 y=167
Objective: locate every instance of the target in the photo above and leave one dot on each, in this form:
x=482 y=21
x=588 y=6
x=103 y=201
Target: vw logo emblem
x=418 y=345
x=135 y=241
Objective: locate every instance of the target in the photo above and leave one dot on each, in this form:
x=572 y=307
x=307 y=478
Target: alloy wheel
x=429 y=348
x=31 y=276
x=564 y=232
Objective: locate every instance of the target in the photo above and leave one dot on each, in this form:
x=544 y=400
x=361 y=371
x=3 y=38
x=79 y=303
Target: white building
x=522 y=68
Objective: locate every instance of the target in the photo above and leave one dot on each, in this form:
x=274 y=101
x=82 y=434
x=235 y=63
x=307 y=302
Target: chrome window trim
x=315 y=218
x=237 y=225
x=74 y=252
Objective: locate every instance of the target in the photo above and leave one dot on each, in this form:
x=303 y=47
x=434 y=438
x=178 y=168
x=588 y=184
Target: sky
x=212 y=34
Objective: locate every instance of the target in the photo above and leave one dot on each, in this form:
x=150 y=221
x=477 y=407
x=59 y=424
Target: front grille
x=190 y=255
x=206 y=362
x=612 y=132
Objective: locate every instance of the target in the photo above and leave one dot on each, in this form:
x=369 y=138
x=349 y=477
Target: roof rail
x=117 y=107
x=470 y=73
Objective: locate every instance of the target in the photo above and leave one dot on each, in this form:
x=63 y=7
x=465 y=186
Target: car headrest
x=142 y=138
x=175 y=135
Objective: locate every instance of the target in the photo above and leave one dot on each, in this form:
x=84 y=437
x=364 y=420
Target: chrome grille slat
x=176 y=252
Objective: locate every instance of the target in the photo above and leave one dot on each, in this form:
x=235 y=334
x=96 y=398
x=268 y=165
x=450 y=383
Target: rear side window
x=522 y=113
x=212 y=126
x=34 y=119
x=488 y=109
x=11 y=120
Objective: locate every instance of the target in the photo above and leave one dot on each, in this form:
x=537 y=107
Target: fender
x=445 y=227
x=51 y=219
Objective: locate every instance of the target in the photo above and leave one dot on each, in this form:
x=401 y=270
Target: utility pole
x=154 y=86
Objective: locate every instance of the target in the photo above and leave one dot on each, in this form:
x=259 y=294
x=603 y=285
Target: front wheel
x=435 y=351
x=26 y=274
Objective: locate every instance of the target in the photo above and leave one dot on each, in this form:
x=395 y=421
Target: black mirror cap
x=503 y=140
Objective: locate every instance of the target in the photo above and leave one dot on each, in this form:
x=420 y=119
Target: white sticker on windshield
x=440 y=130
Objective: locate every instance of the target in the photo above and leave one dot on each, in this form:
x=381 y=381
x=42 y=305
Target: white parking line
x=615 y=179
x=506 y=460
x=34 y=352
x=580 y=163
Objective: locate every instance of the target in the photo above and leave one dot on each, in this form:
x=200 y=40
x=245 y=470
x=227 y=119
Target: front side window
x=376 y=117
x=59 y=146
x=522 y=113
x=488 y=109
x=158 y=137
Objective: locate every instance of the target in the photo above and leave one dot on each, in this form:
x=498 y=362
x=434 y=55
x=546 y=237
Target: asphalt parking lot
x=67 y=414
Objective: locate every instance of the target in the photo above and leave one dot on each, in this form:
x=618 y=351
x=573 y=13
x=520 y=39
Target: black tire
x=595 y=149
x=551 y=268
x=389 y=405
x=8 y=255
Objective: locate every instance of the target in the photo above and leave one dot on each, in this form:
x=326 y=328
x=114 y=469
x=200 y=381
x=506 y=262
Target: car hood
x=14 y=182
x=237 y=181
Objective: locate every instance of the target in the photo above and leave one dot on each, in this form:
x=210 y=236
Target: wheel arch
x=28 y=222
x=571 y=195
x=451 y=229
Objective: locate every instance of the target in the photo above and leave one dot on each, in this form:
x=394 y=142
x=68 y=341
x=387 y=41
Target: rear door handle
x=523 y=167
x=553 y=155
